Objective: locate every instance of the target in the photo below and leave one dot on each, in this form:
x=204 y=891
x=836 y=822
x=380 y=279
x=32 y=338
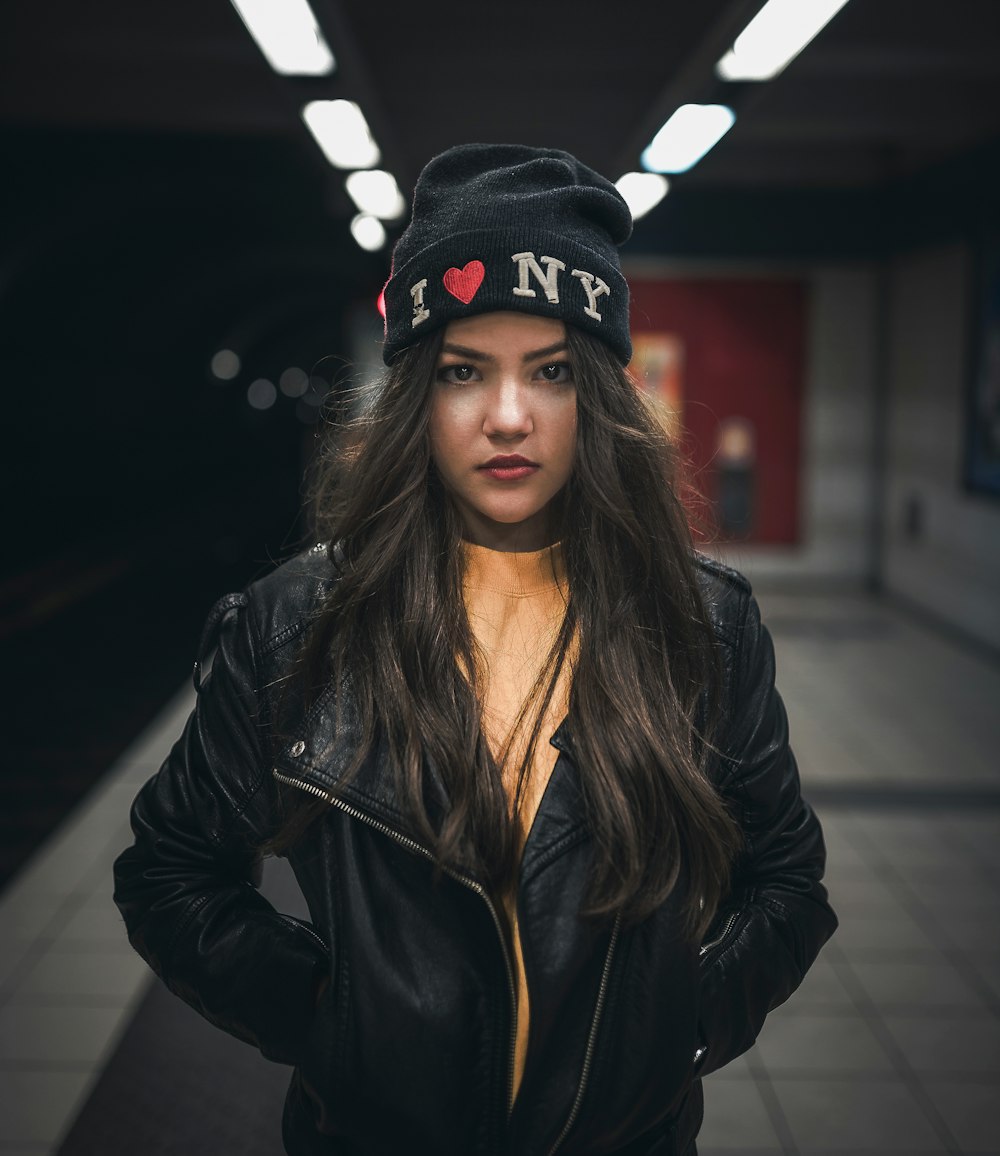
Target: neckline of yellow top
x=517 y=574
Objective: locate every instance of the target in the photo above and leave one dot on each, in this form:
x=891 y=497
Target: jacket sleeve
x=186 y=886
x=777 y=918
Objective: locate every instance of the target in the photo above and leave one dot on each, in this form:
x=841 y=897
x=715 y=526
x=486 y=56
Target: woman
x=519 y=741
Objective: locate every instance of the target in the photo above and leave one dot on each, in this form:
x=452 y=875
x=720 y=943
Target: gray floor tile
x=25 y=916
x=66 y=859
x=820 y=1043
x=977 y=898
x=713 y=1151
x=917 y=982
x=971 y=931
x=855 y=1115
x=100 y=925
x=980 y=831
x=12 y=956
x=987 y=964
x=948 y=1044
x=845 y=859
x=848 y=882
x=35 y=1106
x=736 y=1117
x=971 y=1111
x=865 y=931
x=959 y=873
x=821 y=988
x=68 y=1034
x=61 y=974
x=907 y=838
x=838 y=827
x=865 y=894
x=738 y=1069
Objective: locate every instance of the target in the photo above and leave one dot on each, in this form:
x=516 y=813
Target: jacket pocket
x=304 y=926
x=322 y=1067
x=722 y=932
x=301 y=1046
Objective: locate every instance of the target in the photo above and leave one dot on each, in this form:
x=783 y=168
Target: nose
x=508 y=412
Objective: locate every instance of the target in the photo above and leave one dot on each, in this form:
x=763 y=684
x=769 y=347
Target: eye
x=456 y=374
x=560 y=372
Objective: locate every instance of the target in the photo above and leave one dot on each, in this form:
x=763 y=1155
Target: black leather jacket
x=410 y=1045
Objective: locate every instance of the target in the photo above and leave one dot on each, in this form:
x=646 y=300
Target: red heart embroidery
x=464 y=283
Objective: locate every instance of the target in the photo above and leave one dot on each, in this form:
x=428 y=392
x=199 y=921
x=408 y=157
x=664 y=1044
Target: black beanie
x=498 y=227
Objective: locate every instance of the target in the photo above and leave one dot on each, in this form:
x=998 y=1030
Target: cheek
x=567 y=438
x=447 y=432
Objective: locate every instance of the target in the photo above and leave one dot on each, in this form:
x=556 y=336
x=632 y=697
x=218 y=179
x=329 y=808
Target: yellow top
x=516 y=603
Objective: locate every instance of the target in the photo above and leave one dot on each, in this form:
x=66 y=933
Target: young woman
x=519 y=741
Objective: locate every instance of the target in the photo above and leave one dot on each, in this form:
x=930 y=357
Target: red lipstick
x=509 y=467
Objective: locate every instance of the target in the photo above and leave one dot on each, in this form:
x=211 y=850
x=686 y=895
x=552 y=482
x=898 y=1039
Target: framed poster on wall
x=982 y=418
x=658 y=367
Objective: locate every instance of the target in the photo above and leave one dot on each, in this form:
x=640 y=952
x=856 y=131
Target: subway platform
x=892 y=1044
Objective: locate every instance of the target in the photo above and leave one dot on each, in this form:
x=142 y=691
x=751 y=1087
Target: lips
x=507 y=462
x=507 y=468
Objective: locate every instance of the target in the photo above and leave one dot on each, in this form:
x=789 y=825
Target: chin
x=509 y=520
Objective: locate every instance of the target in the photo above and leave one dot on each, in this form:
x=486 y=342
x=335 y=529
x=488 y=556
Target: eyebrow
x=478 y=355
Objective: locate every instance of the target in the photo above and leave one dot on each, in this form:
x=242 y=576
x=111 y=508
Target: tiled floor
x=892 y=1045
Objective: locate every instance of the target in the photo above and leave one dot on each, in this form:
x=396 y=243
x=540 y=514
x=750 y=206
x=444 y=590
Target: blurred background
x=197 y=210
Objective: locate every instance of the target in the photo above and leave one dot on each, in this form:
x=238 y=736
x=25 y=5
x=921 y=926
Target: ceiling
x=887 y=89
x=161 y=199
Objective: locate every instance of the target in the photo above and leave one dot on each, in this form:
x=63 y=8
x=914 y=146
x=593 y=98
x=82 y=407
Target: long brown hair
x=645 y=694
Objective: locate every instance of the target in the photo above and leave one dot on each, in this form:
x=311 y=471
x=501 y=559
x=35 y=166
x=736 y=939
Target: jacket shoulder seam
x=721 y=570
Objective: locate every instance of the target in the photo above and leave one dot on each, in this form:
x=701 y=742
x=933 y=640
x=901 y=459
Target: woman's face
x=503 y=425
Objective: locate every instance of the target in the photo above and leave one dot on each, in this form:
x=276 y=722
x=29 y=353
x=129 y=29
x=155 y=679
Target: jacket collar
x=316 y=756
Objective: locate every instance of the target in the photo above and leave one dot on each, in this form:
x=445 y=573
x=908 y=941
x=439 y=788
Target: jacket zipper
x=298 y=925
x=727 y=927
x=471 y=884
x=588 y=1056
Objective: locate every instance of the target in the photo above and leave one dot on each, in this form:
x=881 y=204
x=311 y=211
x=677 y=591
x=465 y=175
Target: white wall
x=952 y=569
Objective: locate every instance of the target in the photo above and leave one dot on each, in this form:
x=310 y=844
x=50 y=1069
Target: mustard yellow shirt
x=516 y=603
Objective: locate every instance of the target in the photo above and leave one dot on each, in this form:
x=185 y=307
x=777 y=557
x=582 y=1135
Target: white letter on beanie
x=526 y=261
x=587 y=281
x=419 y=312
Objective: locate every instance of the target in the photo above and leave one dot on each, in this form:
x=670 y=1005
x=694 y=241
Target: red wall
x=744 y=355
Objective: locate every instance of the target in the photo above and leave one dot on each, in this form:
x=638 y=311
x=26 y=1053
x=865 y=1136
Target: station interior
x=186 y=286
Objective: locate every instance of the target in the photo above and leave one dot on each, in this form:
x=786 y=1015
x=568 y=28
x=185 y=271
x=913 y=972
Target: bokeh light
x=225 y=365
x=261 y=393
x=293 y=381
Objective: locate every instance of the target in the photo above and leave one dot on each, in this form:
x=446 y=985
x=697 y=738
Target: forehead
x=507 y=330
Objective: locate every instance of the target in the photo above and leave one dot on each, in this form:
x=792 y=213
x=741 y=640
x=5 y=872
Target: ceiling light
x=686 y=137
x=368 y=232
x=375 y=191
x=642 y=191
x=261 y=393
x=287 y=34
x=775 y=36
x=342 y=132
x=225 y=365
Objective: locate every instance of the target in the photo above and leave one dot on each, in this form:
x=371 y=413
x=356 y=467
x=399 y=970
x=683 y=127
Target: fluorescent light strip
x=368 y=231
x=375 y=191
x=686 y=137
x=775 y=36
x=642 y=191
x=342 y=132
x=287 y=34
